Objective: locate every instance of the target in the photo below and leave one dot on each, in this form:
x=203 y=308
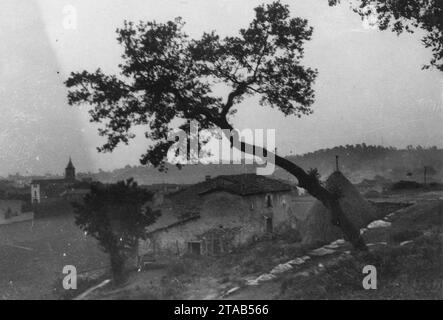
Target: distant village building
x=163 y=188
x=218 y=214
x=70 y=171
x=377 y=185
x=75 y=194
x=69 y=187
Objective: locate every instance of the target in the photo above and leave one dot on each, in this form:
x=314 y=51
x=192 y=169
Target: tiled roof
x=186 y=203
x=245 y=184
x=242 y=185
x=49 y=181
x=62 y=181
x=77 y=192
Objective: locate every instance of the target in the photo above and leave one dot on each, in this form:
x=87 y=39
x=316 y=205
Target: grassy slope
x=411 y=271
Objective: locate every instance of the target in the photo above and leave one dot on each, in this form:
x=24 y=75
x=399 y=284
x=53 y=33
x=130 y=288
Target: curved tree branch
x=308 y=182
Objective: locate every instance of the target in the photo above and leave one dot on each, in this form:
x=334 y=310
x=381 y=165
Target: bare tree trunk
x=117 y=266
x=314 y=188
x=327 y=198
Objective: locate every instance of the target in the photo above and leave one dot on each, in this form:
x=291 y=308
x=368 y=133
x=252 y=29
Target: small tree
x=116 y=215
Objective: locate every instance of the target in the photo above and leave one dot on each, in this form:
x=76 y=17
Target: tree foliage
x=168 y=79
x=361 y=160
x=409 y=15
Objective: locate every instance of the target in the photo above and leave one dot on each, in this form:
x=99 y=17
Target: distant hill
x=187 y=175
x=357 y=162
x=363 y=161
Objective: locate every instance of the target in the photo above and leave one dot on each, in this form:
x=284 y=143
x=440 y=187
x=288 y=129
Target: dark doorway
x=194 y=247
x=269 y=226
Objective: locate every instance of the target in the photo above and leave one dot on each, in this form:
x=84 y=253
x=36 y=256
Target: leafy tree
x=116 y=216
x=408 y=15
x=166 y=77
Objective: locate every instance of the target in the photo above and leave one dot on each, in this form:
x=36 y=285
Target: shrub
x=116 y=216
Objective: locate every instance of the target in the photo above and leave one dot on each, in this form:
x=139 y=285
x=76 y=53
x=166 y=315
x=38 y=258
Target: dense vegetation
x=367 y=161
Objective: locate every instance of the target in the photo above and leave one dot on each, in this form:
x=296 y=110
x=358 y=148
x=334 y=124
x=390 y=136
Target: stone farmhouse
x=218 y=214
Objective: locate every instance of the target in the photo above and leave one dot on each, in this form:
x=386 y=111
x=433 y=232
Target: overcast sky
x=370 y=86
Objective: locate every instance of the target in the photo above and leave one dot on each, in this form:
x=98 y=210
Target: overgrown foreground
x=408 y=256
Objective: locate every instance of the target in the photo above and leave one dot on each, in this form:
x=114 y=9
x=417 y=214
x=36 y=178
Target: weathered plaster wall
x=227 y=220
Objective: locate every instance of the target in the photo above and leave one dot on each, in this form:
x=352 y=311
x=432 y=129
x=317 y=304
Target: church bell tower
x=70 y=171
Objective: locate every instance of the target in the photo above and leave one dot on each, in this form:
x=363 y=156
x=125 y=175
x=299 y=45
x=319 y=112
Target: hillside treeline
x=357 y=162
x=367 y=161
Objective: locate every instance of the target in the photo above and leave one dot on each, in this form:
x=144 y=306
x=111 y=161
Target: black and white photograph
x=239 y=151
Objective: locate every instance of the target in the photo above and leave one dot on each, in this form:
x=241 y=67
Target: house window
x=283 y=201
x=268 y=201
x=194 y=247
x=268 y=223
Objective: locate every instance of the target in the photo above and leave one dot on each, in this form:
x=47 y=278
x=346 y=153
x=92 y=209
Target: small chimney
x=207 y=177
x=336 y=163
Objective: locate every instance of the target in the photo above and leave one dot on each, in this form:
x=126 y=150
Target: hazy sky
x=370 y=86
